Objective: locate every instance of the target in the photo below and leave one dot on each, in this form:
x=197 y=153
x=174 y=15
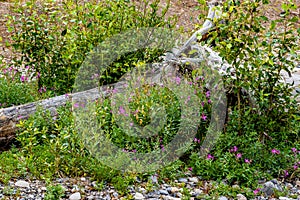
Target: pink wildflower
x=275 y=151
x=256 y=191
x=209 y=157
x=204 y=117
x=239 y=155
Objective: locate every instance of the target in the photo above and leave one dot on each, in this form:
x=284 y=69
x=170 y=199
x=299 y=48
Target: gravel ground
x=83 y=188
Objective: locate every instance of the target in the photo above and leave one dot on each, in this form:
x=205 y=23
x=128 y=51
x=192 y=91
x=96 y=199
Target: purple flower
x=209 y=101
x=247 y=160
x=134 y=150
x=234 y=149
x=177 y=80
x=114 y=91
x=76 y=105
x=295 y=167
x=207 y=94
x=188 y=98
x=294 y=149
x=122 y=111
x=286 y=173
x=162 y=147
x=275 y=151
x=256 y=191
x=209 y=157
x=203 y=116
x=239 y=155
x=190 y=168
x=196 y=140
x=131 y=124
x=23 y=78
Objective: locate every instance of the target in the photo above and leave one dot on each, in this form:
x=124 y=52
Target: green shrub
x=54 y=192
x=265 y=126
x=54 y=38
x=17 y=87
x=259 y=49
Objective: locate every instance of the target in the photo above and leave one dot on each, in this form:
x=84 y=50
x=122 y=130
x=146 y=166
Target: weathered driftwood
x=10 y=117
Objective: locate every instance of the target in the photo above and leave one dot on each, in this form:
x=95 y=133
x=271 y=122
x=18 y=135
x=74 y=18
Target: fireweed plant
x=141 y=102
x=261 y=139
x=18 y=86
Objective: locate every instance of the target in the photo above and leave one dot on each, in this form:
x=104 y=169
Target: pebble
x=182 y=180
x=194 y=179
x=75 y=196
x=138 y=196
x=223 y=198
x=240 y=197
x=21 y=183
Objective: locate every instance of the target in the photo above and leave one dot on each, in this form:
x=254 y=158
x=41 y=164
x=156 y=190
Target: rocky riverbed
x=191 y=187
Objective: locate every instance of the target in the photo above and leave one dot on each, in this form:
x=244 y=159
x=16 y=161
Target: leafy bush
x=263 y=126
x=17 y=87
x=259 y=51
x=54 y=38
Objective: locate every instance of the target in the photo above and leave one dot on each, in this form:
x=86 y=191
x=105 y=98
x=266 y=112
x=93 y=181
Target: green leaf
x=64 y=32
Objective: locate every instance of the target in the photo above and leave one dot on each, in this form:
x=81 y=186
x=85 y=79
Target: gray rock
x=240 y=197
x=154 y=179
x=163 y=192
x=235 y=187
x=115 y=194
x=138 y=196
x=173 y=189
x=198 y=191
x=223 y=198
x=284 y=198
x=90 y=197
x=194 y=179
x=289 y=186
x=21 y=183
x=270 y=186
x=182 y=180
x=75 y=196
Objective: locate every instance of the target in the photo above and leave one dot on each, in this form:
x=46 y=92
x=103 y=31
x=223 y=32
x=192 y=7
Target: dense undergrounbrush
x=260 y=140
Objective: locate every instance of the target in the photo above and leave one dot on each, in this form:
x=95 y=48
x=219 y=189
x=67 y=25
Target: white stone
x=194 y=179
x=174 y=189
x=284 y=198
x=22 y=184
x=298 y=183
x=75 y=196
x=138 y=196
x=240 y=197
x=223 y=198
x=198 y=191
x=235 y=187
x=83 y=179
